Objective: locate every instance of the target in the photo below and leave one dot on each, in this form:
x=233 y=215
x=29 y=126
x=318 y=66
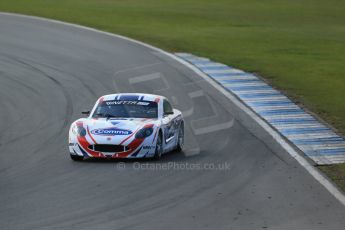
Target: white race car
x=127 y=125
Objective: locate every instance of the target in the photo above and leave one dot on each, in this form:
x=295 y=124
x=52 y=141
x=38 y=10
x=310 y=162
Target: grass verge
x=336 y=173
x=297 y=45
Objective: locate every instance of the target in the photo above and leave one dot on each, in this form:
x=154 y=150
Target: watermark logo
x=203 y=113
x=178 y=166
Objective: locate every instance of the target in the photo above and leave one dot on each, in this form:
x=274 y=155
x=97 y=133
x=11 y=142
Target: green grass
x=297 y=45
x=336 y=173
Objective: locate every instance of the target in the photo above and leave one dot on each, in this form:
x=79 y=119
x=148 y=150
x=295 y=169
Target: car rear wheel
x=159 y=148
x=76 y=157
x=180 y=139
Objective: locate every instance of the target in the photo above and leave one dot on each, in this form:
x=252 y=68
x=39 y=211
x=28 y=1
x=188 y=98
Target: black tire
x=180 y=138
x=159 y=147
x=76 y=157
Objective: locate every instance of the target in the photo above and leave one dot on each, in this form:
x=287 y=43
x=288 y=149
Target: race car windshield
x=126 y=109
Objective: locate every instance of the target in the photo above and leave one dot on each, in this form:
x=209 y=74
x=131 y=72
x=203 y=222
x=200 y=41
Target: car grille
x=109 y=148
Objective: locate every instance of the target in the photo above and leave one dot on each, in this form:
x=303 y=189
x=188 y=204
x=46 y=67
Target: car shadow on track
x=172 y=156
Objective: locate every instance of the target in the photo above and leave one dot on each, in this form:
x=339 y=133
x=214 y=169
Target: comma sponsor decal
x=111 y=132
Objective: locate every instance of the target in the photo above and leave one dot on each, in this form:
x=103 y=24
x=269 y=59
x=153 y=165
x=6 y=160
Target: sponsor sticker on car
x=111 y=132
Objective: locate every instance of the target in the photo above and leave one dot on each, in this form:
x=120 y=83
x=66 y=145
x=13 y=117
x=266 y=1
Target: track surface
x=50 y=72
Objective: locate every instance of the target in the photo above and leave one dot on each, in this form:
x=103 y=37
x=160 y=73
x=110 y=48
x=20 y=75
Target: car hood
x=102 y=130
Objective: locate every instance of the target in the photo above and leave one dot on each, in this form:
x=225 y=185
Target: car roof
x=133 y=97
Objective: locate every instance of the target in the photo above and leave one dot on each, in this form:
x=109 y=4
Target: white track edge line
x=300 y=159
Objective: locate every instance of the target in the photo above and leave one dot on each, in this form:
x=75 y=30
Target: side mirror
x=168 y=113
x=86 y=112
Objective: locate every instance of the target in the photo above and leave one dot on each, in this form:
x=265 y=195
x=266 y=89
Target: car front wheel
x=180 y=139
x=159 y=148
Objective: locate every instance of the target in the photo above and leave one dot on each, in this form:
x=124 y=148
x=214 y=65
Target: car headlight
x=143 y=133
x=81 y=131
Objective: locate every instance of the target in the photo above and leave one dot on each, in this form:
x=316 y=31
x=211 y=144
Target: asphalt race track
x=50 y=72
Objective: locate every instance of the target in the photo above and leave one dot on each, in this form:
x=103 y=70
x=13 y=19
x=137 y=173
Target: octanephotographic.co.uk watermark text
x=174 y=166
